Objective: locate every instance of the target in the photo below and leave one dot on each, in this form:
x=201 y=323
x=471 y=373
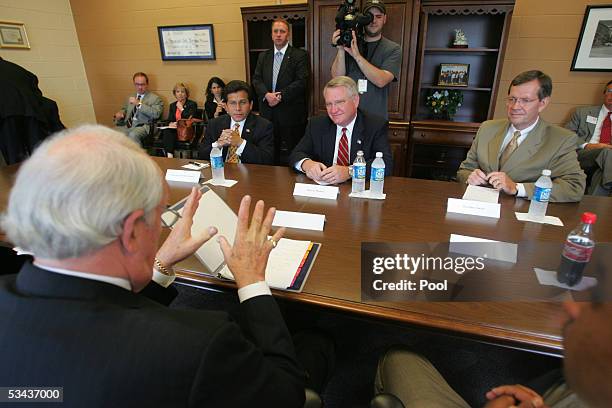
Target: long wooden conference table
x=414 y=211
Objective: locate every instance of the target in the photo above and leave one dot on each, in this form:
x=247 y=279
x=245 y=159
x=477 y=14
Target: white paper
x=500 y=251
x=292 y=219
x=362 y=86
x=591 y=119
x=479 y=193
x=456 y=205
x=195 y=166
x=368 y=194
x=549 y=278
x=164 y=127
x=185 y=176
x=225 y=183
x=322 y=183
x=283 y=263
x=313 y=190
x=549 y=219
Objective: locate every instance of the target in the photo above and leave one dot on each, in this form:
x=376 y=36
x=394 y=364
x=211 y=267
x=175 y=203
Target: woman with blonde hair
x=183 y=108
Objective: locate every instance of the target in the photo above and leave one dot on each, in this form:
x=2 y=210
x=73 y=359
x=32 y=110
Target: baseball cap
x=375 y=3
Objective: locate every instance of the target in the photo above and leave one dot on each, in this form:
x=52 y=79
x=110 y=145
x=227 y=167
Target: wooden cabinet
x=436 y=148
x=398 y=139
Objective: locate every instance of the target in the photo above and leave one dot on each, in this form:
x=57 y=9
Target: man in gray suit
x=593 y=125
x=139 y=110
x=510 y=154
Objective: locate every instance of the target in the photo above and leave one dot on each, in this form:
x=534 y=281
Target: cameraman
x=375 y=66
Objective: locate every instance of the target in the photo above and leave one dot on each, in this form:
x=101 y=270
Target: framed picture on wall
x=453 y=74
x=13 y=35
x=187 y=42
x=594 y=48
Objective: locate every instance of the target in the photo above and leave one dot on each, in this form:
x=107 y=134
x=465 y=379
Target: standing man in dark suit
x=593 y=126
x=281 y=81
x=244 y=137
x=85 y=315
x=331 y=141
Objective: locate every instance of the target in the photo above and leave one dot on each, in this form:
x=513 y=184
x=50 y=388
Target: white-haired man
x=331 y=142
x=88 y=205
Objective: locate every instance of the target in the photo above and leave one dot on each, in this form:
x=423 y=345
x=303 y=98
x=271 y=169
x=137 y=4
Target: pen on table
x=195 y=163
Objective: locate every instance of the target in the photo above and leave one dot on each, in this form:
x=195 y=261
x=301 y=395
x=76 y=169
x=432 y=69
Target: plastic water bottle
x=216 y=163
x=577 y=251
x=541 y=194
x=359 y=173
x=377 y=175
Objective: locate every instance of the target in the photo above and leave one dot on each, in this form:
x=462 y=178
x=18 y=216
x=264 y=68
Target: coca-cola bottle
x=577 y=251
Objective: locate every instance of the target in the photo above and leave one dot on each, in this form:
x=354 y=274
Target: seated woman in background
x=183 y=108
x=214 y=104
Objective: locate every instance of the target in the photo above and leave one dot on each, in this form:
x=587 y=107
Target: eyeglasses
x=521 y=101
x=169 y=217
x=335 y=104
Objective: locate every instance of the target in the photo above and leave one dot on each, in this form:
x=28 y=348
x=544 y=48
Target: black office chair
x=152 y=143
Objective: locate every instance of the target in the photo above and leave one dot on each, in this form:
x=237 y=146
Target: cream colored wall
x=543 y=35
x=119 y=38
x=54 y=56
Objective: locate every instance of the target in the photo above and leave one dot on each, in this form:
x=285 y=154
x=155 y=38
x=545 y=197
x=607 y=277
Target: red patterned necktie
x=343 y=150
x=606 y=130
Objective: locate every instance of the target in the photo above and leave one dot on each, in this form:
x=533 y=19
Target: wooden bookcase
x=437 y=147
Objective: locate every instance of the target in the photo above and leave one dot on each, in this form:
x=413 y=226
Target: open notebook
x=289 y=263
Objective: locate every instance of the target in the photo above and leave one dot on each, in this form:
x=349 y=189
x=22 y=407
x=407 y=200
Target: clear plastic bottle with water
x=377 y=175
x=541 y=194
x=216 y=163
x=577 y=251
x=359 y=173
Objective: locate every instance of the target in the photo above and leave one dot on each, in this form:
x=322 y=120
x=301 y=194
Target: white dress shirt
x=524 y=133
x=603 y=112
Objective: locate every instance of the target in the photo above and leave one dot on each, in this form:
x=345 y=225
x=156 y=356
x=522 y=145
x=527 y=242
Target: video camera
x=349 y=19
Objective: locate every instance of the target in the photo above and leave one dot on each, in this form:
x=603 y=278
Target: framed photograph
x=453 y=75
x=594 y=48
x=13 y=35
x=187 y=42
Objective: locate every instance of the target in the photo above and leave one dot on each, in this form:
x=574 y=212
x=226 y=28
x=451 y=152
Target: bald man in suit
x=510 y=154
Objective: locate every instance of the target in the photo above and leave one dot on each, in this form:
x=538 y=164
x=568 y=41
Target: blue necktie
x=278 y=60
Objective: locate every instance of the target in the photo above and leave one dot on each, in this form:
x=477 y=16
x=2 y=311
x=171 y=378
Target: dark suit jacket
x=211 y=107
x=112 y=348
x=292 y=82
x=257 y=132
x=578 y=123
x=369 y=135
x=189 y=109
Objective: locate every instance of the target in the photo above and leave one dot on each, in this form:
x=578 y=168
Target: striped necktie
x=510 y=148
x=278 y=60
x=232 y=157
x=343 y=150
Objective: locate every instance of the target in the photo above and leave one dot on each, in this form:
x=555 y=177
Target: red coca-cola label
x=577 y=253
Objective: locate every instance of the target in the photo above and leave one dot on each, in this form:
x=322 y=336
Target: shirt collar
x=525 y=131
x=348 y=127
x=122 y=283
x=282 y=50
x=242 y=122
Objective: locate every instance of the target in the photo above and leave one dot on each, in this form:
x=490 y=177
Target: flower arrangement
x=443 y=103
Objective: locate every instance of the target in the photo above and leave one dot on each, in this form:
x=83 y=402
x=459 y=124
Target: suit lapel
x=268 y=67
x=249 y=128
x=225 y=124
x=357 y=138
x=591 y=126
x=284 y=64
x=528 y=148
x=328 y=143
x=494 y=146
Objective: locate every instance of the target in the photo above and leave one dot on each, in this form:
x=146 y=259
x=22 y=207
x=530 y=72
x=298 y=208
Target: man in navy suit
x=281 y=81
x=331 y=141
x=86 y=315
x=244 y=137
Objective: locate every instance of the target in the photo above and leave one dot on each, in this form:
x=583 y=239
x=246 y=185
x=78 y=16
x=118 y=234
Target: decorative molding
x=478 y=10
